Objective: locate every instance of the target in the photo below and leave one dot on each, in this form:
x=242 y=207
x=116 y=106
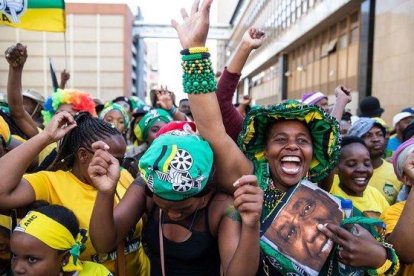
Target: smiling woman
x=354 y=172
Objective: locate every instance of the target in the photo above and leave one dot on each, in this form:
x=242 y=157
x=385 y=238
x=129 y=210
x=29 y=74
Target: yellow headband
x=5 y=131
x=53 y=234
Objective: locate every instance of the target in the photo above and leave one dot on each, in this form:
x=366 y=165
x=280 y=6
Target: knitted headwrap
x=400 y=156
x=54 y=235
x=80 y=101
x=323 y=128
x=153 y=116
x=114 y=106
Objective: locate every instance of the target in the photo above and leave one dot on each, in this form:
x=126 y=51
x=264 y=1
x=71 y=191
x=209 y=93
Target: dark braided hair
x=88 y=130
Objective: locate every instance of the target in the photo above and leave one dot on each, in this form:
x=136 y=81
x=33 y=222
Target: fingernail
x=235 y=184
x=106 y=147
x=321 y=226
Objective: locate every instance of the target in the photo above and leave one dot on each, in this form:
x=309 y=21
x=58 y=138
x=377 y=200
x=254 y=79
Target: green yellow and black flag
x=36 y=15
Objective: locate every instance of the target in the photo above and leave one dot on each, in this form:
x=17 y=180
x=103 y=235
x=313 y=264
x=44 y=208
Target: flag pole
x=66 y=55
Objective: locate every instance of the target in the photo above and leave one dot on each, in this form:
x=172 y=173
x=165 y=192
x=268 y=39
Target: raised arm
x=166 y=102
x=108 y=227
x=343 y=97
x=402 y=236
x=230 y=162
x=14 y=191
x=227 y=84
x=64 y=77
x=16 y=57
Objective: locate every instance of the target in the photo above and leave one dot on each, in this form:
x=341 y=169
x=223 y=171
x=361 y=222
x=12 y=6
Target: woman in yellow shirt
x=354 y=172
x=68 y=184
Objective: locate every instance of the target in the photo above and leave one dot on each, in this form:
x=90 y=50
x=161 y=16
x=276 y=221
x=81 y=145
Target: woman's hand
x=194 y=29
x=16 y=55
x=103 y=169
x=359 y=249
x=253 y=38
x=59 y=126
x=164 y=98
x=248 y=200
x=343 y=93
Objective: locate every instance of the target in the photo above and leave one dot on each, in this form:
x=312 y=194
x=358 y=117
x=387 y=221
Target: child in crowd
x=48 y=241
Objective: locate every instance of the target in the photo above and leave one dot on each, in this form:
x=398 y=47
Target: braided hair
x=89 y=130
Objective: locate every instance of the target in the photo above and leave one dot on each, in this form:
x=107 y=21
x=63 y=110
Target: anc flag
x=37 y=15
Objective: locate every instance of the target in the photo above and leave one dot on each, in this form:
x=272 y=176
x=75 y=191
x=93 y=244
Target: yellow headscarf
x=5 y=131
x=55 y=235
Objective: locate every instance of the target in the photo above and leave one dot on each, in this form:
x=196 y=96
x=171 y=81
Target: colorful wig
x=80 y=101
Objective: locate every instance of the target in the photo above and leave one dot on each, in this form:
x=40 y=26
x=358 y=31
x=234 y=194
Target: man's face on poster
x=295 y=232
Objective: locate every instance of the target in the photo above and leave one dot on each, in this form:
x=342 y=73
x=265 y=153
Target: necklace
x=272 y=196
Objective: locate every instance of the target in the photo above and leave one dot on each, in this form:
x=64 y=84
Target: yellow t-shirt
x=64 y=188
x=385 y=180
x=93 y=269
x=372 y=203
x=391 y=216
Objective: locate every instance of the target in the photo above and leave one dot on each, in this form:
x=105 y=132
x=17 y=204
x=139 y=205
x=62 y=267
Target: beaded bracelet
x=194 y=50
x=195 y=56
x=391 y=265
x=197 y=66
x=198 y=75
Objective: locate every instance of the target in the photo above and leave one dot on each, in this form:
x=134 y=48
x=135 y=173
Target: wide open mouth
x=290 y=164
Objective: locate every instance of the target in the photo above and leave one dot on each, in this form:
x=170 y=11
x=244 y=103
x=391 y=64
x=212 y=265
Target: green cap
x=177 y=165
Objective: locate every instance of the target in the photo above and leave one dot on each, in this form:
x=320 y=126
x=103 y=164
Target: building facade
x=318 y=44
x=97 y=49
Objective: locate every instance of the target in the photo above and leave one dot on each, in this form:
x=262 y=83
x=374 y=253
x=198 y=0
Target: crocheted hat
x=313 y=97
x=323 y=128
x=177 y=165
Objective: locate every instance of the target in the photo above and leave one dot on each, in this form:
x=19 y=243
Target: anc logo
x=13 y=9
x=389 y=190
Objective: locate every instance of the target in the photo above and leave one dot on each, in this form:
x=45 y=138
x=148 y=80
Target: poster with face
x=293 y=231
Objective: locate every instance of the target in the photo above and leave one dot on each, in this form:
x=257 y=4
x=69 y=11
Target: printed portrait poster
x=292 y=228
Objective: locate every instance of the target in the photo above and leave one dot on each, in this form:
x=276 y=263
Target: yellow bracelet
x=384 y=268
x=197 y=50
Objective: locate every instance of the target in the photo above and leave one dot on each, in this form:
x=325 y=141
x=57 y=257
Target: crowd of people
x=206 y=187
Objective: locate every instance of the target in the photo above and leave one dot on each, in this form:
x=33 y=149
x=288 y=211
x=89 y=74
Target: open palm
x=193 y=31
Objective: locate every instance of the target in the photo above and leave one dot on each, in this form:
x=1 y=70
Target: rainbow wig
x=80 y=101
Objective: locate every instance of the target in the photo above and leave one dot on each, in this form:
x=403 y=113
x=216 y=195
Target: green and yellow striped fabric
x=36 y=15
